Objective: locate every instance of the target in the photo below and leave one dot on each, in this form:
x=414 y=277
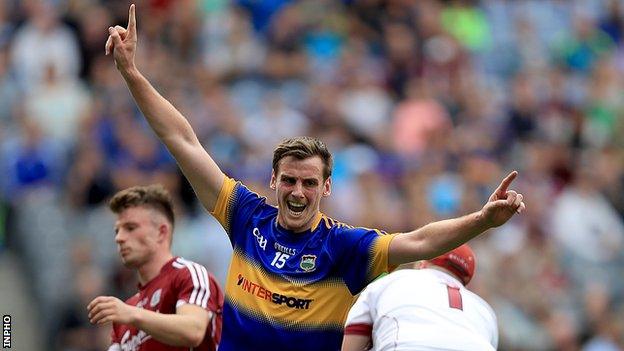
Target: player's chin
x=128 y=262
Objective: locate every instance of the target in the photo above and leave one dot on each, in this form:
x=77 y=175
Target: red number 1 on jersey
x=455 y=298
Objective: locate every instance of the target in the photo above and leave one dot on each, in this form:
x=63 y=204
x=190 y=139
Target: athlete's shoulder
x=247 y=198
x=182 y=265
x=337 y=227
x=401 y=275
x=481 y=302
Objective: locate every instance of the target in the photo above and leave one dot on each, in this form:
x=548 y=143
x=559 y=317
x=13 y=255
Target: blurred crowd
x=425 y=105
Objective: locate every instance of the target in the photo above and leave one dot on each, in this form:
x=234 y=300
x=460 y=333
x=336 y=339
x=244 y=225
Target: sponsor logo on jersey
x=155 y=298
x=265 y=294
x=259 y=238
x=308 y=263
x=133 y=343
x=284 y=249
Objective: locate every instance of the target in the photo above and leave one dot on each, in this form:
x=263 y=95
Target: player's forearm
x=171 y=329
x=436 y=238
x=166 y=121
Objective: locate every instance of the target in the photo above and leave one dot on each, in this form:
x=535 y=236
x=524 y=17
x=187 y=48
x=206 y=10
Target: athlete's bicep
x=200 y=169
x=358 y=332
x=356 y=342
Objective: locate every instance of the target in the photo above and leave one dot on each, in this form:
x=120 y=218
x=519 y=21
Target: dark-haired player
x=295 y=270
x=179 y=303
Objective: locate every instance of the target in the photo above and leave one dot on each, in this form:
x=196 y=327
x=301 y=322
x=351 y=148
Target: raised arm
x=437 y=238
x=168 y=123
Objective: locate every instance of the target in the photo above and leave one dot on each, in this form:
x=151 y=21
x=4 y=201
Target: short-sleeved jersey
x=291 y=291
x=179 y=282
x=423 y=309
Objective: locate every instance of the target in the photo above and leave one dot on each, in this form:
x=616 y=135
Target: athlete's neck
x=309 y=226
x=151 y=269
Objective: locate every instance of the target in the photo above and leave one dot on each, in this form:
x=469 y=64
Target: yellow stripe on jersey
x=378 y=263
x=221 y=209
x=316 y=221
x=285 y=302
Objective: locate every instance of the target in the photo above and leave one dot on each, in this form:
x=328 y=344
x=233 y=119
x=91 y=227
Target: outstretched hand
x=503 y=203
x=122 y=42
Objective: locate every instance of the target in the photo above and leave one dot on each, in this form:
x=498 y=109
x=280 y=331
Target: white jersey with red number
x=423 y=309
x=179 y=282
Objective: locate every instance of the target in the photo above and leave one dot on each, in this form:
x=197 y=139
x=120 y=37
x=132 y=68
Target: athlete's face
x=139 y=233
x=299 y=187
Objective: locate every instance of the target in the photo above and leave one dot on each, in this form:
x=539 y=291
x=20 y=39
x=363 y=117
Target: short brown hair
x=301 y=148
x=154 y=196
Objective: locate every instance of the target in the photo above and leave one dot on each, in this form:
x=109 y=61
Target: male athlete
x=294 y=271
x=179 y=304
x=423 y=309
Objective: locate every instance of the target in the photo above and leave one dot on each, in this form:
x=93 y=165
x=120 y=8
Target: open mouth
x=295 y=208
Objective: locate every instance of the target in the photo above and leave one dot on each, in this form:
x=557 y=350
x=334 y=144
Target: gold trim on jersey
x=222 y=206
x=287 y=303
x=379 y=263
x=316 y=221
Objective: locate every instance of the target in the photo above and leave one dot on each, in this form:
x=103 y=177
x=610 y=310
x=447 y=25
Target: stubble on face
x=299 y=188
x=139 y=229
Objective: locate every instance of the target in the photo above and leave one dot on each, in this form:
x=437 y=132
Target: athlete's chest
x=285 y=253
x=157 y=298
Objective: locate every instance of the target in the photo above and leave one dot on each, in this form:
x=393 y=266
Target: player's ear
x=164 y=232
x=273 y=183
x=327 y=187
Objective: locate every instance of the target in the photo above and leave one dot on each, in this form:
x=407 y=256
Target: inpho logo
x=6 y=331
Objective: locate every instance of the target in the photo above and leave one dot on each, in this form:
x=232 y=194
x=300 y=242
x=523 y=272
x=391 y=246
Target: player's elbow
x=196 y=339
x=192 y=338
x=192 y=325
x=196 y=334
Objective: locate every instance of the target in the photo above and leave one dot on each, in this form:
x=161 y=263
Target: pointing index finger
x=132 y=20
x=504 y=185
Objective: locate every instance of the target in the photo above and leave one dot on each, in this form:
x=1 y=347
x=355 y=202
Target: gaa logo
x=308 y=263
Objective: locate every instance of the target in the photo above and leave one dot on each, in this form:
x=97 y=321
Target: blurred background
x=425 y=104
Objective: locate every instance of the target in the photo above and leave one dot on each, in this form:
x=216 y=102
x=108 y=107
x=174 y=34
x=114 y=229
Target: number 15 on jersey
x=280 y=259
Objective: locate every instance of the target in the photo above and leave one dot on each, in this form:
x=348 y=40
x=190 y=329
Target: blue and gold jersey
x=288 y=291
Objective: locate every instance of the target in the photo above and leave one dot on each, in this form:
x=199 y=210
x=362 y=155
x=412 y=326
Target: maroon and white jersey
x=179 y=282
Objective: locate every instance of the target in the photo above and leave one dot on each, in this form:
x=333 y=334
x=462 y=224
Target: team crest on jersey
x=155 y=298
x=308 y=263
